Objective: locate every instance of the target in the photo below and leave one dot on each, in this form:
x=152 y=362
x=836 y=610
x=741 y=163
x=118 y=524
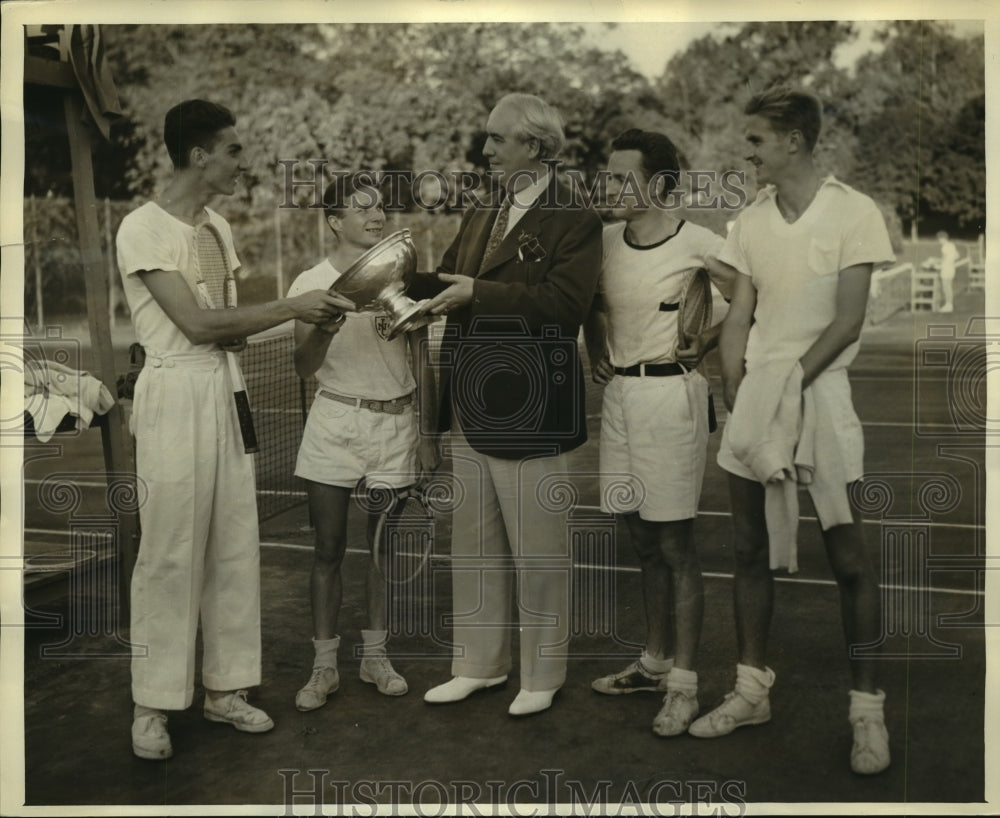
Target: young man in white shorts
x=654 y=422
x=199 y=558
x=804 y=251
x=362 y=425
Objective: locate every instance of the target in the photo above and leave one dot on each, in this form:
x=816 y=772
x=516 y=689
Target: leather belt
x=654 y=370
x=392 y=407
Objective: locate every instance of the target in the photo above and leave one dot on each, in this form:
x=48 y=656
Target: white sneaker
x=870 y=753
x=323 y=682
x=378 y=670
x=232 y=708
x=676 y=715
x=633 y=679
x=735 y=711
x=150 y=739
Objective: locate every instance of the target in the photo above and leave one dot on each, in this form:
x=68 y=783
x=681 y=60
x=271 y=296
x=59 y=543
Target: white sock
x=657 y=666
x=686 y=681
x=752 y=683
x=326 y=652
x=869 y=705
x=141 y=710
x=374 y=642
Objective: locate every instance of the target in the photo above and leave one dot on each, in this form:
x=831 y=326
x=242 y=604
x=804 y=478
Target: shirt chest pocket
x=823 y=257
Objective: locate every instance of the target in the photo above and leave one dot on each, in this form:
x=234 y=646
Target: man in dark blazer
x=517 y=282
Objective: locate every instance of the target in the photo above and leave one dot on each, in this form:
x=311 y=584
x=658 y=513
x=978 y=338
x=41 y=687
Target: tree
x=921 y=137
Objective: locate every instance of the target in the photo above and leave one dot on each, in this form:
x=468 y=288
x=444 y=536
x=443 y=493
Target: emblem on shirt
x=383 y=325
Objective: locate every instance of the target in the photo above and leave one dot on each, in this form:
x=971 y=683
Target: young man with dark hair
x=654 y=421
x=199 y=554
x=804 y=250
x=362 y=425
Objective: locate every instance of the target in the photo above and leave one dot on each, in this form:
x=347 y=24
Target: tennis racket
x=411 y=512
x=217 y=290
x=694 y=316
x=694 y=313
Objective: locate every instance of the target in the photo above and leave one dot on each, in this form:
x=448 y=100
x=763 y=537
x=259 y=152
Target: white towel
x=52 y=391
x=819 y=464
x=764 y=430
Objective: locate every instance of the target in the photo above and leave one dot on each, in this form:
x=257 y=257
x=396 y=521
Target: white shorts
x=654 y=437
x=343 y=443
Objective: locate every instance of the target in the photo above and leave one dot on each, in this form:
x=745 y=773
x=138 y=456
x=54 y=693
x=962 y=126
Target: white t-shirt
x=149 y=238
x=635 y=281
x=360 y=362
x=795 y=267
x=949 y=258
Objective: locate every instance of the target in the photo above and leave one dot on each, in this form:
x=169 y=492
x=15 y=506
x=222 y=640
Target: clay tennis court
x=919 y=388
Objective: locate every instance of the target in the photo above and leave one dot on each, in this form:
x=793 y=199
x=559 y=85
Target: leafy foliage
x=905 y=125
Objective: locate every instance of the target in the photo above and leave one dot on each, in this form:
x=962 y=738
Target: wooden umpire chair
x=925 y=289
x=69 y=59
x=977 y=264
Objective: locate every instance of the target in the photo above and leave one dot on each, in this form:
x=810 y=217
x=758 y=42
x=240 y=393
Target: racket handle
x=243 y=413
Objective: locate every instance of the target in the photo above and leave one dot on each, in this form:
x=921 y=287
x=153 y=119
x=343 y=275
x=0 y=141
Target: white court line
x=63 y=532
x=888 y=424
x=90 y=484
x=961 y=526
x=958 y=526
x=626 y=569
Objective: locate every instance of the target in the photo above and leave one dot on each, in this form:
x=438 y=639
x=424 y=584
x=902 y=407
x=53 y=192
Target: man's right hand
x=319 y=306
x=603 y=371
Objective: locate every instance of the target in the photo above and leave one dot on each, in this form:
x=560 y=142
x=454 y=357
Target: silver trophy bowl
x=377 y=282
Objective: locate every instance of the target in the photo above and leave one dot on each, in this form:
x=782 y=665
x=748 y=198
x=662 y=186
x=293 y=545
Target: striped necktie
x=497 y=233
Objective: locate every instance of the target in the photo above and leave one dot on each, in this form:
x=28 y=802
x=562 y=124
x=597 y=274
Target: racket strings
x=215 y=282
x=695 y=311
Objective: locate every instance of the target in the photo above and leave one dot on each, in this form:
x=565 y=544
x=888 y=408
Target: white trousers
x=199 y=552
x=508 y=524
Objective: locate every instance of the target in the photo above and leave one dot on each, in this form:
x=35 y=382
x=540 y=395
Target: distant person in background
x=804 y=251
x=654 y=422
x=949 y=258
x=199 y=556
x=361 y=426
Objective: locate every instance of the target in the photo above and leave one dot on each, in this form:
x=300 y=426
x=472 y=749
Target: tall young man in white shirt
x=805 y=250
x=199 y=553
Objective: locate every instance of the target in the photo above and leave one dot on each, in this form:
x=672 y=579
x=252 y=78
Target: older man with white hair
x=517 y=282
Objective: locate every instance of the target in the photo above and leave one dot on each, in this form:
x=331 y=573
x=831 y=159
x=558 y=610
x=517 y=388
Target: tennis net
x=280 y=400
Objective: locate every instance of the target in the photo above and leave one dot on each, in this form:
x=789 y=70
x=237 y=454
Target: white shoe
x=150 y=739
x=378 y=670
x=633 y=679
x=735 y=711
x=531 y=701
x=323 y=682
x=870 y=752
x=232 y=708
x=460 y=687
x=675 y=717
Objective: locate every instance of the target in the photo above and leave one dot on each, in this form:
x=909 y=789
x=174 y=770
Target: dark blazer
x=510 y=366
